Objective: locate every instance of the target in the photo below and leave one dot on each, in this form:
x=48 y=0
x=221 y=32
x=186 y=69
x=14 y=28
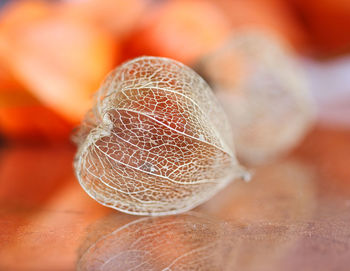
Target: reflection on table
x=293 y=215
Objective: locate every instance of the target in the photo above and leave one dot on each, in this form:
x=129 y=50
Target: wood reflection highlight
x=189 y=241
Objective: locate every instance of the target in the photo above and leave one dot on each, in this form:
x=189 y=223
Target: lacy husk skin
x=156 y=142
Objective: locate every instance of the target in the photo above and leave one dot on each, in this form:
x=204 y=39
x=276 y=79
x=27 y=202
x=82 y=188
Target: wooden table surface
x=293 y=215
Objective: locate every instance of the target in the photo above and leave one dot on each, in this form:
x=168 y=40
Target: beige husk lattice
x=156 y=141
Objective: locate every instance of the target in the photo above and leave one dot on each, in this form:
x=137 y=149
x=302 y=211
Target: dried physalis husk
x=156 y=142
x=263 y=93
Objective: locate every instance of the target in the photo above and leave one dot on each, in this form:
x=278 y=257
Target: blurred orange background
x=54 y=56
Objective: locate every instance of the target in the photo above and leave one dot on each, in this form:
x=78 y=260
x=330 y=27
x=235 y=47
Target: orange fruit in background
x=22 y=117
x=7 y=80
x=119 y=17
x=273 y=16
x=182 y=30
x=61 y=59
x=327 y=23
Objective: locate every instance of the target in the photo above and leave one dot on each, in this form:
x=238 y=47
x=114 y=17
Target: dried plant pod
x=263 y=92
x=156 y=142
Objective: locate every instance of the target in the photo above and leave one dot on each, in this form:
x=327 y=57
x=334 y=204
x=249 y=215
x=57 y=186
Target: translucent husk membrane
x=156 y=141
x=264 y=93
